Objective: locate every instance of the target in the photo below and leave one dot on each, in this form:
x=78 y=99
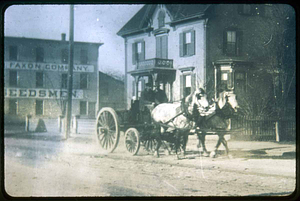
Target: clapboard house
x=198 y=39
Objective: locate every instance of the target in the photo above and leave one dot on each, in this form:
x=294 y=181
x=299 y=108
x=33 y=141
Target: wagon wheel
x=150 y=145
x=107 y=129
x=132 y=141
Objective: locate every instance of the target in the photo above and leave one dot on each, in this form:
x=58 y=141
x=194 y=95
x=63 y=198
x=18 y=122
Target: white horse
x=175 y=122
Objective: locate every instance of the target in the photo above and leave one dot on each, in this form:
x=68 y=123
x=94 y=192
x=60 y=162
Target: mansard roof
x=179 y=12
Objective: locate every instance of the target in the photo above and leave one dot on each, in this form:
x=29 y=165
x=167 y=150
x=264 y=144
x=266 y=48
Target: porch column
x=171 y=91
x=136 y=80
x=216 y=90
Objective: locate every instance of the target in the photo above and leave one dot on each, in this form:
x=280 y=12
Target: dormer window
x=161 y=19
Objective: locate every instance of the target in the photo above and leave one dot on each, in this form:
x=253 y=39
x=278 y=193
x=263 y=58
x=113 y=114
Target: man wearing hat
x=147 y=95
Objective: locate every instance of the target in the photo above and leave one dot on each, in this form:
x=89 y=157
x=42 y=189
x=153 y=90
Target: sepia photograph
x=149 y=100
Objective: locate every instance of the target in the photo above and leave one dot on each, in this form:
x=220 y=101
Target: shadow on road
x=36 y=136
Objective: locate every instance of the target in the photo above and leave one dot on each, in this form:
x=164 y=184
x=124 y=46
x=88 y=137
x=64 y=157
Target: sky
x=92 y=23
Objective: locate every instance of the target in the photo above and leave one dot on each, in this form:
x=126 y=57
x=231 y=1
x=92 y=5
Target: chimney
x=63 y=37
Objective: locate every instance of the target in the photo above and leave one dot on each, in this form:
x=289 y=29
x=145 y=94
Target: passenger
x=160 y=96
x=147 y=95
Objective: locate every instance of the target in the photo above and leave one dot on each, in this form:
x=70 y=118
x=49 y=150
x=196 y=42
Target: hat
x=200 y=91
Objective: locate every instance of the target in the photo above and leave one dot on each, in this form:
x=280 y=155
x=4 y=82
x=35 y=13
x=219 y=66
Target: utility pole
x=70 y=72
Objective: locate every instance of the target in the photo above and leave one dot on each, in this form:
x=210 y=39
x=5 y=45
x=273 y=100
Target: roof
x=49 y=40
x=178 y=12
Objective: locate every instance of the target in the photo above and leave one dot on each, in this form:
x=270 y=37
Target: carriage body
x=136 y=124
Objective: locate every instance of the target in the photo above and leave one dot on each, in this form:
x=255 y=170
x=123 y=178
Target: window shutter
x=142 y=55
x=240 y=9
x=193 y=44
x=225 y=42
x=143 y=84
x=164 y=48
x=181 y=86
x=181 y=44
x=193 y=80
x=239 y=42
x=133 y=88
x=158 y=47
x=134 y=53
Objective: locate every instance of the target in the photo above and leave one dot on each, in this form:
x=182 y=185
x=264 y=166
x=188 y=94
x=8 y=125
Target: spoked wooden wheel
x=107 y=129
x=132 y=141
x=150 y=145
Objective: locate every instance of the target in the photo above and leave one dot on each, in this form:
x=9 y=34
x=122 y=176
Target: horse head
x=227 y=103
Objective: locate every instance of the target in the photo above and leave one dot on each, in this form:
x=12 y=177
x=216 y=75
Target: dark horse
x=218 y=122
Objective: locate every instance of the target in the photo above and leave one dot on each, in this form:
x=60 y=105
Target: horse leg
x=185 y=140
x=159 y=142
x=167 y=148
x=201 y=143
x=224 y=142
x=214 y=152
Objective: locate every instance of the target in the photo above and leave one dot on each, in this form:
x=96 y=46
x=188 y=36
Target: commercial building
x=36 y=74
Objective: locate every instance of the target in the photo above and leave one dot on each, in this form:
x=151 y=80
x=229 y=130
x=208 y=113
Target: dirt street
x=45 y=165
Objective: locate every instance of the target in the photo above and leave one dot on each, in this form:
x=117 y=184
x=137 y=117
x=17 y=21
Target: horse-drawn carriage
x=150 y=125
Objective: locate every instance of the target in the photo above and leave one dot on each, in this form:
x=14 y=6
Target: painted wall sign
x=47 y=66
x=41 y=93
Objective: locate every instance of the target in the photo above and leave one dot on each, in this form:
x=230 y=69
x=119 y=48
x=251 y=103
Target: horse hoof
x=156 y=154
x=213 y=154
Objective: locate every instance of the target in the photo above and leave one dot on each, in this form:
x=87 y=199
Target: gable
x=142 y=20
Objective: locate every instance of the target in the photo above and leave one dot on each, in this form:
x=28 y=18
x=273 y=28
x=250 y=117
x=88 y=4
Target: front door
x=92 y=110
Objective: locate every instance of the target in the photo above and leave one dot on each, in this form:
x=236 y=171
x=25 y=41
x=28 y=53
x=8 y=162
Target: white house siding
x=197 y=60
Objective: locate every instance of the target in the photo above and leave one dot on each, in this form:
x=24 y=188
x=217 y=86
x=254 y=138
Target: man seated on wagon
x=147 y=102
x=159 y=96
x=147 y=96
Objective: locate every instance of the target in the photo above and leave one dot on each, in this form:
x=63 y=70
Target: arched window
x=161 y=19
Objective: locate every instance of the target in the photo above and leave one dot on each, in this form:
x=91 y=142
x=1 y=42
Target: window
x=245 y=9
x=13 y=106
x=138 y=52
x=161 y=19
x=226 y=78
x=187 y=84
x=65 y=56
x=83 y=108
x=39 y=107
x=83 y=56
x=83 y=81
x=39 y=80
x=64 y=81
x=13 y=53
x=251 y=9
x=232 y=42
x=39 y=54
x=13 y=78
x=187 y=43
x=162 y=47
